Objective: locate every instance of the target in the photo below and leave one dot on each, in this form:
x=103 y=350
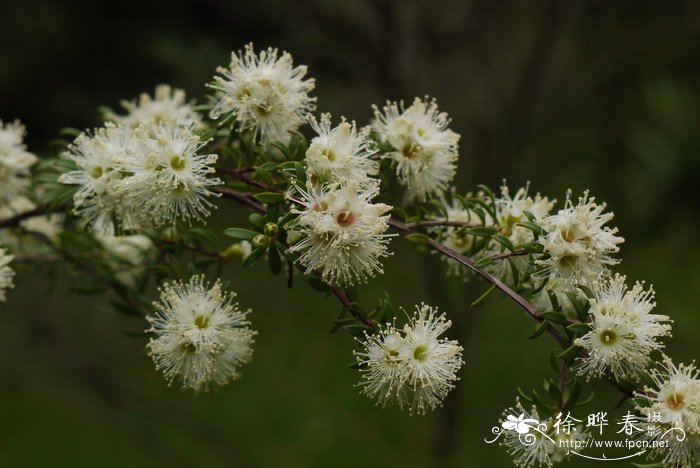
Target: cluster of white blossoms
x=510 y=211
x=134 y=178
x=167 y=105
x=533 y=442
x=623 y=332
x=15 y=161
x=343 y=232
x=424 y=152
x=340 y=152
x=202 y=337
x=577 y=244
x=264 y=93
x=672 y=407
x=412 y=367
x=6 y=274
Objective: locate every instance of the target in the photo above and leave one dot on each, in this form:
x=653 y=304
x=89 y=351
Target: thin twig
x=15 y=220
x=440 y=223
x=469 y=263
x=241 y=197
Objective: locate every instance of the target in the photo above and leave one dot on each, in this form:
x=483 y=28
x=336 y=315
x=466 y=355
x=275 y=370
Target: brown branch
x=15 y=220
x=241 y=197
x=469 y=263
x=242 y=175
x=404 y=230
x=514 y=253
x=440 y=223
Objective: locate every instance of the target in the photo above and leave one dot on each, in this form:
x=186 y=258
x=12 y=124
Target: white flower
x=15 y=161
x=413 y=367
x=578 y=245
x=263 y=93
x=6 y=274
x=98 y=156
x=623 y=330
x=510 y=210
x=135 y=178
x=170 y=180
x=128 y=255
x=202 y=336
x=425 y=150
x=531 y=447
x=340 y=152
x=166 y=106
x=674 y=399
x=537 y=443
x=675 y=394
x=343 y=232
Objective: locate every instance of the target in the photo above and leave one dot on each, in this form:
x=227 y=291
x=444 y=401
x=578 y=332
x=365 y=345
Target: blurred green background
x=566 y=94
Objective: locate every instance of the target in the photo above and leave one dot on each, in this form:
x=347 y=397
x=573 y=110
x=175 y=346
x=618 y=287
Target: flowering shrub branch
x=126 y=203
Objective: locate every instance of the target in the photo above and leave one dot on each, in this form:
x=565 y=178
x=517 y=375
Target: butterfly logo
x=519 y=424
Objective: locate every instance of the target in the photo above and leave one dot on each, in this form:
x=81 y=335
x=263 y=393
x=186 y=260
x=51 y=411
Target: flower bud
x=261 y=241
x=271 y=230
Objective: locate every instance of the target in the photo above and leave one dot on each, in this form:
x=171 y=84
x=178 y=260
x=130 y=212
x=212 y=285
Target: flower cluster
x=133 y=178
x=577 y=244
x=343 y=232
x=340 y=152
x=202 y=337
x=623 y=332
x=532 y=442
x=264 y=93
x=412 y=367
x=15 y=162
x=510 y=211
x=672 y=403
x=424 y=152
x=6 y=274
x=167 y=105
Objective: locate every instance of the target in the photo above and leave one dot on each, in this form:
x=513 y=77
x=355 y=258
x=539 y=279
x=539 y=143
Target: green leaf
x=253 y=257
x=269 y=198
x=539 y=329
x=482 y=231
x=257 y=220
x=571 y=395
x=318 y=284
x=483 y=297
x=570 y=352
x=554 y=300
x=418 y=238
x=581 y=309
x=587 y=400
x=524 y=395
x=532 y=226
x=239 y=233
x=555 y=317
x=274 y=260
x=579 y=327
x=264 y=175
x=483 y=261
x=504 y=241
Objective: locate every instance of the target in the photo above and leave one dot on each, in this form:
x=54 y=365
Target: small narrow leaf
x=269 y=198
x=239 y=233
